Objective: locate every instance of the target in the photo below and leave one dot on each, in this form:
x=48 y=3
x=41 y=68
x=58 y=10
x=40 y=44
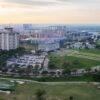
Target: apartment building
x=9 y=39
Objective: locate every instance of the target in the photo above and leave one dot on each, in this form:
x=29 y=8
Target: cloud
x=84 y=3
x=31 y=2
x=80 y=1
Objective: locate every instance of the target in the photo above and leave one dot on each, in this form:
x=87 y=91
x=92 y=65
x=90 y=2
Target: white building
x=9 y=39
x=49 y=45
x=30 y=59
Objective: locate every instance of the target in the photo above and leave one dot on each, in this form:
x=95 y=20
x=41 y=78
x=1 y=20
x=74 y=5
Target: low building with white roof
x=28 y=60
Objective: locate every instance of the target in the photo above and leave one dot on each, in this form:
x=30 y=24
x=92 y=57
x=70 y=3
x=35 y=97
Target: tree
x=63 y=43
x=52 y=73
x=67 y=64
x=53 y=62
x=40 y=94
x=98 y=46
x=36 y=70
x=77 y=64
x=21 y=71
x=74 y=71
x=29 y=69
x=59 y=73
x=67 y=68
x=4 y=55
x=44 y=72
x=4 y=69
x=88 y=70
x=38 y=52
x=96 y=77
x=71 y=98
x=66 y=71
x=52 y=65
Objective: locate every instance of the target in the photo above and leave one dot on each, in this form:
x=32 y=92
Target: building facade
x=49 y=45
x=9 y=39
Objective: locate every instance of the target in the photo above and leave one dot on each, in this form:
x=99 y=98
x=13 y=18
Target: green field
x=87 y=58
x=93 y=51
x=86 y=63
x=55 y=91
x=93 y=54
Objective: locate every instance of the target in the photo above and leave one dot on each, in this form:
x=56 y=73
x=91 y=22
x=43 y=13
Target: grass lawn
x=59 y=60
x=87 y=57
x=93 y=51
x=86 y=62
x=55 y=91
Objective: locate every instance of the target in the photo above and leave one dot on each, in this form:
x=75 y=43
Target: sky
x=50 y=11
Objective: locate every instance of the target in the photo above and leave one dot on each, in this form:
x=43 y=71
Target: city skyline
x=50 y=11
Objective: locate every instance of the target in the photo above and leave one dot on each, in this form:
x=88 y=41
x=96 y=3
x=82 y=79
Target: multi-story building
x=9 y=39
x=42 y=32
x=49 y=45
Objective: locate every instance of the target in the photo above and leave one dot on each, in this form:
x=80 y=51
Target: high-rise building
x=9 y=39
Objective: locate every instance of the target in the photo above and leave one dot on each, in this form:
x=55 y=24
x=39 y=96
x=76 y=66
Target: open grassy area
x=86 y=63
x=55 y=91
x=93 y=51
x=82 y=53
x=87 y=57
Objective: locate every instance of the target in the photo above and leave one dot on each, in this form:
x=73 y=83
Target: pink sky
x=50 y=11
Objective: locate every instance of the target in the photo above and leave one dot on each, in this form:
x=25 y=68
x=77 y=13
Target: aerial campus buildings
x=9 y=39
